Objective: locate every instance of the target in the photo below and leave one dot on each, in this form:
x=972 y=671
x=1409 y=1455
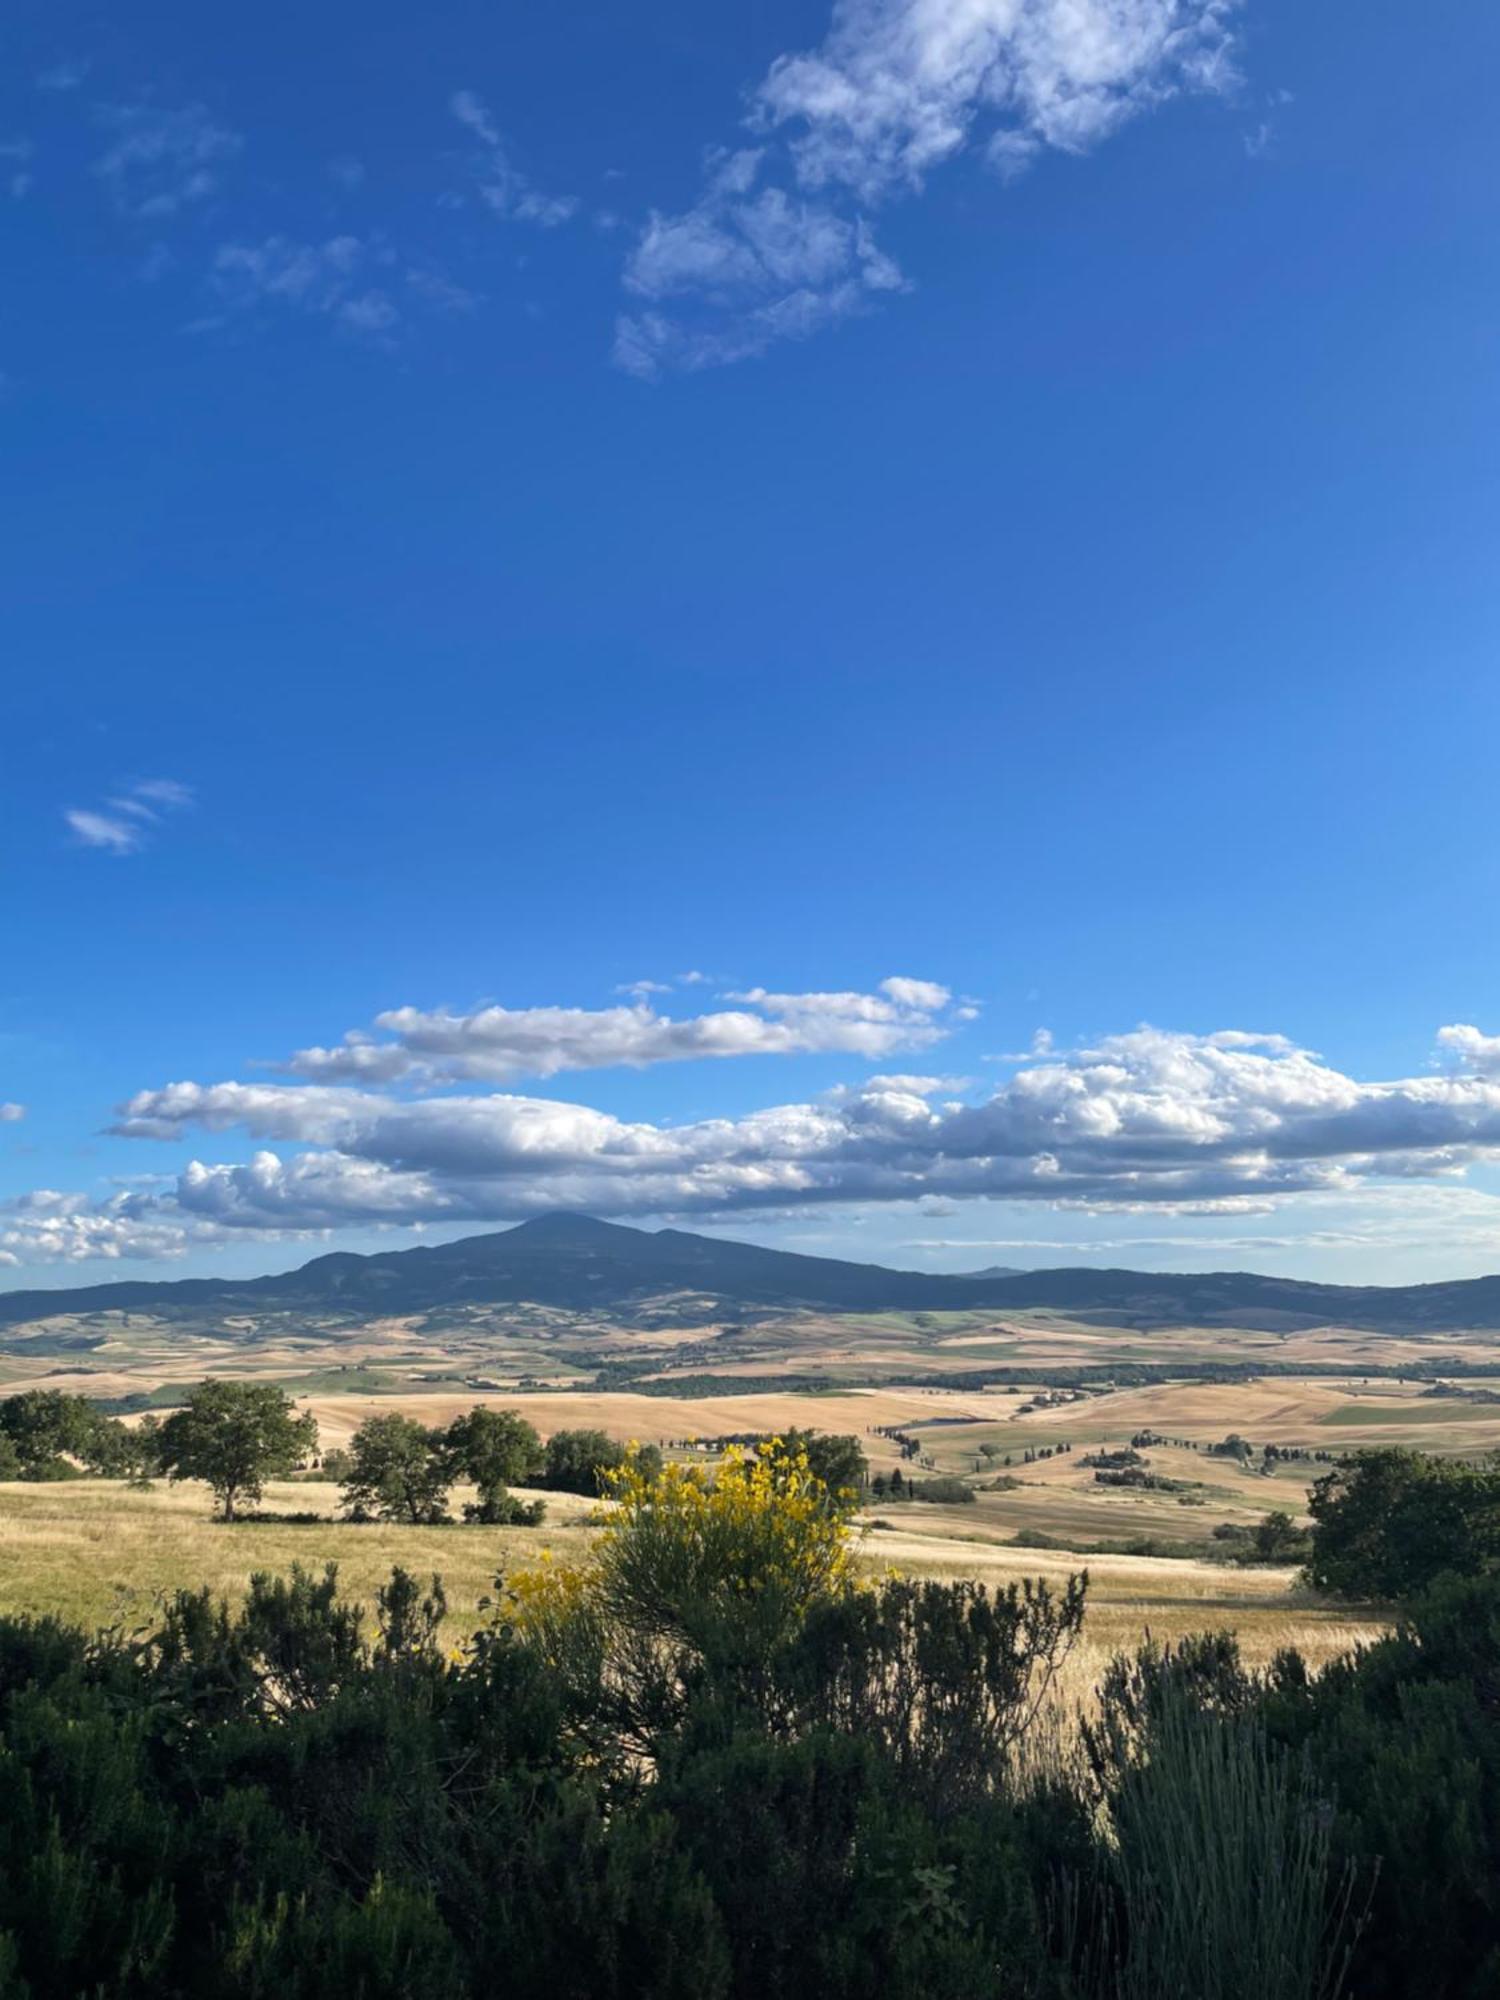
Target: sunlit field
x=97 y=1553
x=100 y=1553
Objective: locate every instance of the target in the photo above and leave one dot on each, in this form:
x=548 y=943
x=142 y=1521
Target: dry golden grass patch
x=96 y=1553
x=656 y=1419
x=1132 y=1598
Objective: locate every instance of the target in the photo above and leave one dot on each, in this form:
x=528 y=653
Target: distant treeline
x=642 y=1380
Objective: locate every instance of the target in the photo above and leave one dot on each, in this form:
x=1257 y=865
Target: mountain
x=576 y=1262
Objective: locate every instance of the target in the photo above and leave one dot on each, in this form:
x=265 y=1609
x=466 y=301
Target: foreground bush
x=710 y=1764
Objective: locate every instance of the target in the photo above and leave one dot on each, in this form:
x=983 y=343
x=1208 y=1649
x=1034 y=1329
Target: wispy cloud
x=779 y=243
x=17 y=155
x=331 y=279
x=12 y=1114
x=125 y=821
x=162 y=160
x=767 y=265
x=502 y=187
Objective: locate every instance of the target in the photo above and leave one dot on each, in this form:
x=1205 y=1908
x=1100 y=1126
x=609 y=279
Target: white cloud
x=1474 y=1051
x=96 y=829
x=494 y=1044
x=12 y=1114
x=1143 y=1122
x=1149 y=1123
x=48 y=1227
x=122 y=824
x=162 y=161
x=502 y=187
x=331 y=279
x=162 y=792
x=897 y=88
x=769 y=266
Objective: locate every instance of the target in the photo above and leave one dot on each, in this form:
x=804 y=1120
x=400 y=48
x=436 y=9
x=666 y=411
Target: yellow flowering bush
x=690 y=1570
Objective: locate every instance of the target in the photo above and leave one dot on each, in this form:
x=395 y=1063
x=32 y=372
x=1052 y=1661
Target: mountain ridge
x=580 y=1262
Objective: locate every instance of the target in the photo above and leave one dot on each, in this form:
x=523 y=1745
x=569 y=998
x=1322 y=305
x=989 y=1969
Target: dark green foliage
x=943 y=1491
x=297 y=1800
x=235 y=1436
x=944 y=1678
x=1277 y=1538
x=496 y=1449
x=1387 y=1524
x=45 y=1434
x=830 y=1880
x=398 y=1471
x=577 y=1461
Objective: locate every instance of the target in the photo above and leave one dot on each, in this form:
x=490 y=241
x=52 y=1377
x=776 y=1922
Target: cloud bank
x=1149 y=1122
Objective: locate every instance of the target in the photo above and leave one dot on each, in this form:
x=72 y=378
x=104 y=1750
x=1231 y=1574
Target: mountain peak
x=567 y=1226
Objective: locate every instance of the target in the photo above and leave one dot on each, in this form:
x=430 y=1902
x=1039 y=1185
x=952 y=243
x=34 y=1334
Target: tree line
x=237 y=1436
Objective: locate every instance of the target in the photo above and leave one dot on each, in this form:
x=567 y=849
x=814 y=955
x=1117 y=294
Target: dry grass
x=1132 y=1598
x=97 y=1553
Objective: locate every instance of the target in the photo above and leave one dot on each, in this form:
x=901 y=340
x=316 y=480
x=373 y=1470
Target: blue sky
x=971 y=525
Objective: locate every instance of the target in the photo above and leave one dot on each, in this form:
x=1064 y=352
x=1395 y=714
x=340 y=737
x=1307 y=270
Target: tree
x=580 y=1461
x=1278 y=1538
x=235 y=1436
x=398 y=1471
x=1387 y=1523
x=494 y=1448
x=51 y=1434
x=838 y=1462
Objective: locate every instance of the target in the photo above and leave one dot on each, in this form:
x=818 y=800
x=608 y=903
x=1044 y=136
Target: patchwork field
x=925 y=1393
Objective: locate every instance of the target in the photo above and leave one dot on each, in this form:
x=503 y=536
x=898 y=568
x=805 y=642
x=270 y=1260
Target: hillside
x=578 y=1263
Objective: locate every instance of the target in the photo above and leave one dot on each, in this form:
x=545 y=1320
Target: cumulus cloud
x=1143 y=1122
x=160 y=161
x=12 y=1114
x=779 y=242
x=122 y=824
x=1228 y=1124
x=500 y=185
x=494 y=1044
x=1474 y=1051
x=50 y=1227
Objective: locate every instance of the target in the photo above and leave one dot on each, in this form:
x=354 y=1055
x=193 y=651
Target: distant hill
x=576 y=1262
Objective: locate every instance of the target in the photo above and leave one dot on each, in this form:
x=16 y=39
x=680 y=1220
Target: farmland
x=926 y=1394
